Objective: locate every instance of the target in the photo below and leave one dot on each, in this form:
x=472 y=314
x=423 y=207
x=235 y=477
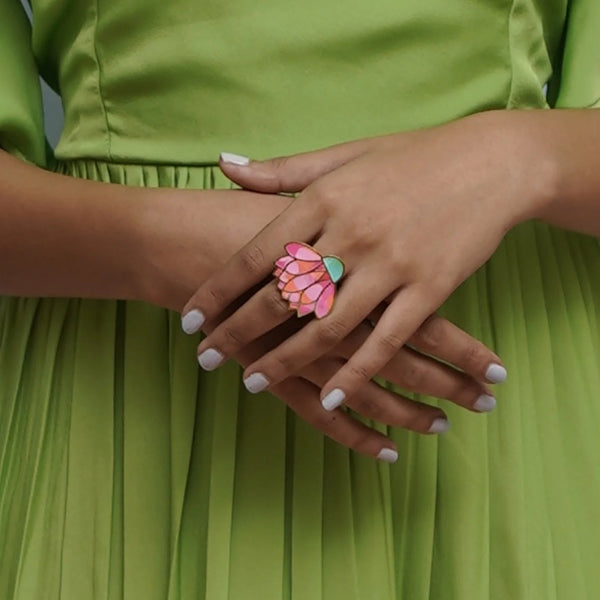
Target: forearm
x=67 y=237
x=562 y=149
x=61 y=236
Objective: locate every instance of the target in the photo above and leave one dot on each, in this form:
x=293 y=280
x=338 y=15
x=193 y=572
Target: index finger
x=250 y=265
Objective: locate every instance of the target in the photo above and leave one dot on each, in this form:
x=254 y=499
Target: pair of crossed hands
x=412 y=215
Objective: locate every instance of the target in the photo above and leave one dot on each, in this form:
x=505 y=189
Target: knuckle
x=281 y=364
x=358 y=372
x=278 y=166
x=279 y=163
x=232 y=336
x=326 y=197
x=474 y=354
x=427 y=292
x=367 y=407
x=276 y=305
x=364 y=234
x=413 y=377
x=330 y=332
x=216 y=296
x=390 y=343
x=431 y=333
x=253 y=259
x=442 y=283
x=361 y=441
x=400 y=261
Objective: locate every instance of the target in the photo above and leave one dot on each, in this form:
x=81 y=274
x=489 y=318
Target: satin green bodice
x=176 y=82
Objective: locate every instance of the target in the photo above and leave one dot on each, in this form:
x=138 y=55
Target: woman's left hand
x=412 y=215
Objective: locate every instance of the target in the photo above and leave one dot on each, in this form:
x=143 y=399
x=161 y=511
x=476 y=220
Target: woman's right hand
x=191 y=234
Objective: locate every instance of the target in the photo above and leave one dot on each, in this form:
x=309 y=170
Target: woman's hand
x=411 y=215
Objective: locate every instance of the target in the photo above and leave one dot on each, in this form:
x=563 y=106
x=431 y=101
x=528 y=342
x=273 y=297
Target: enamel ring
x=308 y=280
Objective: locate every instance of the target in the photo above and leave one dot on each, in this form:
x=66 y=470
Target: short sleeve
x=21 y=116
x=578 y=82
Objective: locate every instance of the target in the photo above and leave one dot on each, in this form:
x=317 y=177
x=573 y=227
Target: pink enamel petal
x=313 y=293
x=325 y=301
x=305 y=309
x=299 y=267
x=302 y=282
x=283 y=261
x=302 y=251
x=285 y=276
x=294 y=298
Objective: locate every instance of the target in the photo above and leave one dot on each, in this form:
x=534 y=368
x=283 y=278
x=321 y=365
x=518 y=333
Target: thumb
x=288 y=173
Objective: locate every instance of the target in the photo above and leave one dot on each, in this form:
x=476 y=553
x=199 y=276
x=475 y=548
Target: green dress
x=128 y=473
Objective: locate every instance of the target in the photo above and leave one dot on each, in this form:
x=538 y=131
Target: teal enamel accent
x=335 y=267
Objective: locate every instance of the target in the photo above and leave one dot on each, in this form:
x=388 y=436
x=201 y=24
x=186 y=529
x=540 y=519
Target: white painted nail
x=485 y=403
x=256 y=382
x=496 y=373
x=235 y=159
x=192 y=321
x=333 y=399
x=440 y=425
x=388 y=455
x=210 y=359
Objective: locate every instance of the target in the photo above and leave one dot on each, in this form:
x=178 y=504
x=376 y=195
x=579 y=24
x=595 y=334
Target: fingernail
x=496 y=373
x=256 y=382
x=333 y=399
x=485 y=403
x=440 y=425
x=192 y=321
x=210 y=359
x=235 y=159
x=388 y=455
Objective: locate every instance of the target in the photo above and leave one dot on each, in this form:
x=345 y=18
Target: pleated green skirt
x=128 y=473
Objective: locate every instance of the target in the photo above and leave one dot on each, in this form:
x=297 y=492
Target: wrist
x=533 y=167
x=164 y=249
x=185 y=235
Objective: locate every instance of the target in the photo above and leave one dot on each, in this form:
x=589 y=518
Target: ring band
x=308 y=280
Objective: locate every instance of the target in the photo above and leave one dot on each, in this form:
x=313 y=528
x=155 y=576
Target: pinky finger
x=303 y=398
